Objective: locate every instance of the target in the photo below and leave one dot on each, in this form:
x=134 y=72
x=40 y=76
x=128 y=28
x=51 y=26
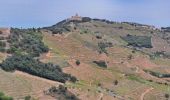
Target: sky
x=40 y=13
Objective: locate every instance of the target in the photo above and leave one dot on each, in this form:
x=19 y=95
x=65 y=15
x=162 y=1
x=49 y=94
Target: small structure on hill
x=4 y=32
x=76 y=18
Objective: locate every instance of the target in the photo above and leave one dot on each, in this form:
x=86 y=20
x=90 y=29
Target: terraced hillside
x=124 y=77
x=110 y=60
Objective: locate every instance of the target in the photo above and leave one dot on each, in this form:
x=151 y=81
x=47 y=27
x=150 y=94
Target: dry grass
x=19 y=85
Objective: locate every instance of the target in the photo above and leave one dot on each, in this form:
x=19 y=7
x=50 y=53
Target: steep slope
x=110 y=60
x=101 y=41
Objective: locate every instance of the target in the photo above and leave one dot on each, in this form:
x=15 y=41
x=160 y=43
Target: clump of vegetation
x=2 y=46
x=103 y=45
x=159 y=54
x=166 y=29
x=27 y=98
x=167 y=96
x=61 y=93
x=116 y=82
x=26 y=41
x=101 y=64
x=157 y=74
x=104 y=20
x=86 y=19
x=4 y=97
x=35 y=67
x=77 y=62
x=138 y=41
x=98 y=37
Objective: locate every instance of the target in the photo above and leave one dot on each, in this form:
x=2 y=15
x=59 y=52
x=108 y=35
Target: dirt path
x=101 y=96
x=67 y=35
x=144 y=93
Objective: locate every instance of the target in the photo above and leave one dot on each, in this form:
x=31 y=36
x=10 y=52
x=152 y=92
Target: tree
x=116 y=82
x=77 y=62
x=73 y=79
x=167 y=96
x=4 y=97
x=32 y=66
x=27 y=98
x=101 y=63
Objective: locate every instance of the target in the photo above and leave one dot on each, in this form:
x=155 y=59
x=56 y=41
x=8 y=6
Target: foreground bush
x=26 y=41
x=35 y=67
x=3 y=97
x=61 y=93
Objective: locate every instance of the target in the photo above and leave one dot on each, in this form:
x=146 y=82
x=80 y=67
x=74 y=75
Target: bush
x=73 y=79
x=138 y=41
x=157 y=74
x=2 y=44
x=3 y=97
x=77 y=62
x=101 y=64
x=86 y=19
x=166 y=96
x=27 y=98
x=103 y=45
x=98 y=37
x=61 y=92
x=116 y=82
x=26 y=41
x=35 y=67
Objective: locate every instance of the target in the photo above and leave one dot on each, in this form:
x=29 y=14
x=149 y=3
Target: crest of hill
x=64 y=25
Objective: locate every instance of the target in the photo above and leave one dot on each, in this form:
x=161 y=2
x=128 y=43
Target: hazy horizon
x=38 y=13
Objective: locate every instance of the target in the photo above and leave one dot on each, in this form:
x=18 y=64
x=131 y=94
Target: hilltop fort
x=75 y=18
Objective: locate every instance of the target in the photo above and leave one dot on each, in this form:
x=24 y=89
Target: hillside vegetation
x=112 y=58
x=95 y=59
x=27 y=42
x=4 y=97
x=35 y=67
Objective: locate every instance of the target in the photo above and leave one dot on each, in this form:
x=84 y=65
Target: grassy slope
x=65 y=50
x=19 y=85
x=90 y=75
x=95 y=75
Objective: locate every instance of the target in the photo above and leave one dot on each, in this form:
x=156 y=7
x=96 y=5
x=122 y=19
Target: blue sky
x=39 y=13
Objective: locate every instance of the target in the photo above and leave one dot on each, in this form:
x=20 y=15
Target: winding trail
x=144 y=93
x=101 y=96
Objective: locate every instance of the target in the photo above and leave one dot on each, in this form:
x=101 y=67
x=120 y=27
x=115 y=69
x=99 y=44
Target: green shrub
x=2 y=46
x=61 y=92
x=27 y=98
x=101 y=64
x=3 y=97
x=103 y=45
x=157 y=74
x=77 y=62
x=86 y=19
x=26 y=41
x=166 y=96
x=35 y=67
x=138 y=41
